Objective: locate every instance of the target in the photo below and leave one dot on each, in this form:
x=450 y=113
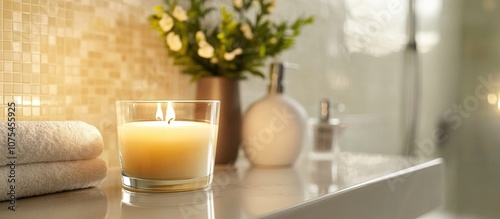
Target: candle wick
x=170 y=120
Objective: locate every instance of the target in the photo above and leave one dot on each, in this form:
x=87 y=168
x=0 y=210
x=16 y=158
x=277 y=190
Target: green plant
x=238 y=41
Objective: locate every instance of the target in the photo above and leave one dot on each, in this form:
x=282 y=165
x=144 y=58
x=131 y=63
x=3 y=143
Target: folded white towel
x=50 y=177
x=47 y=141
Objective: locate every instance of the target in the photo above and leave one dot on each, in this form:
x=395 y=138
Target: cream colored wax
x=158 y=150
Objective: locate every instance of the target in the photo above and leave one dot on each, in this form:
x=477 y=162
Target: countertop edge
x=398 y=190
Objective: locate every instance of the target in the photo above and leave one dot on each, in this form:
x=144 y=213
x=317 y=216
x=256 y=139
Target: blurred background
x=72 y=59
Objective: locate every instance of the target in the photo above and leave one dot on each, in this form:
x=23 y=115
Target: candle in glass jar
x=159 y=150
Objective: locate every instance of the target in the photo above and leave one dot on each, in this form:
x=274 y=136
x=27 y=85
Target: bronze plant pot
x=230 y=119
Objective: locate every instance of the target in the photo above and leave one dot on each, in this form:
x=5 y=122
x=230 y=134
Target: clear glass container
x=167 y=145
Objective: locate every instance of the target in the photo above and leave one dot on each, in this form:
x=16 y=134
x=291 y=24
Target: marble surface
x=312 y=187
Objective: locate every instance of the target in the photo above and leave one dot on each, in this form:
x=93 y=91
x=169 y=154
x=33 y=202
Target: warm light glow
x=427 y=40
x=489 y=5
x=498 y=105
x=159 y=112
x=492 y=99
x=427 y=8
x=35 y=101
x=170 y=115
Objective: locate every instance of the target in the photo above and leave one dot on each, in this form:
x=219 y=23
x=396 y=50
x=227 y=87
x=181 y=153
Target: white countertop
x=360 y=186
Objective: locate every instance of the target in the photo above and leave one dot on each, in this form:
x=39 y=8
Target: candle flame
x=170 y=115
x=159 y=113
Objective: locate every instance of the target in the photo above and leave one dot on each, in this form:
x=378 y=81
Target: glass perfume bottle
x=326 y=134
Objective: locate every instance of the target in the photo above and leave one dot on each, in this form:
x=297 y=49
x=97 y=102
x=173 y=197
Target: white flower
x=229 y=56
x=247 y=31
x=179 y=13
x=238 y=3
x=205 y=50
x=166 y=23
x=237 y=51
x=289 y=32
x=272 y=6
x=254 y=4
x=273 y=40
x=200 y=36
x=174 y=42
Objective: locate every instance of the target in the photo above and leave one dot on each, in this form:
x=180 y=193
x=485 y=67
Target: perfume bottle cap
x=324 y=110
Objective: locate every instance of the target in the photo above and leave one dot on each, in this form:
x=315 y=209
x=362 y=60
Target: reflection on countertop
x=270 y=189
x=194 y=204
x=322 y=177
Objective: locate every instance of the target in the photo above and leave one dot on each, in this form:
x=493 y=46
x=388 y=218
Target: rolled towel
x=50 y=177
x=48 y=141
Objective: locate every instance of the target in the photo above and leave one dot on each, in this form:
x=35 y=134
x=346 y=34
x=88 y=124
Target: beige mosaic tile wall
x=71 y=60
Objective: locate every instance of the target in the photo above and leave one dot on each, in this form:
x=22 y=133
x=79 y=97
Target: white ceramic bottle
x=274 y=127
